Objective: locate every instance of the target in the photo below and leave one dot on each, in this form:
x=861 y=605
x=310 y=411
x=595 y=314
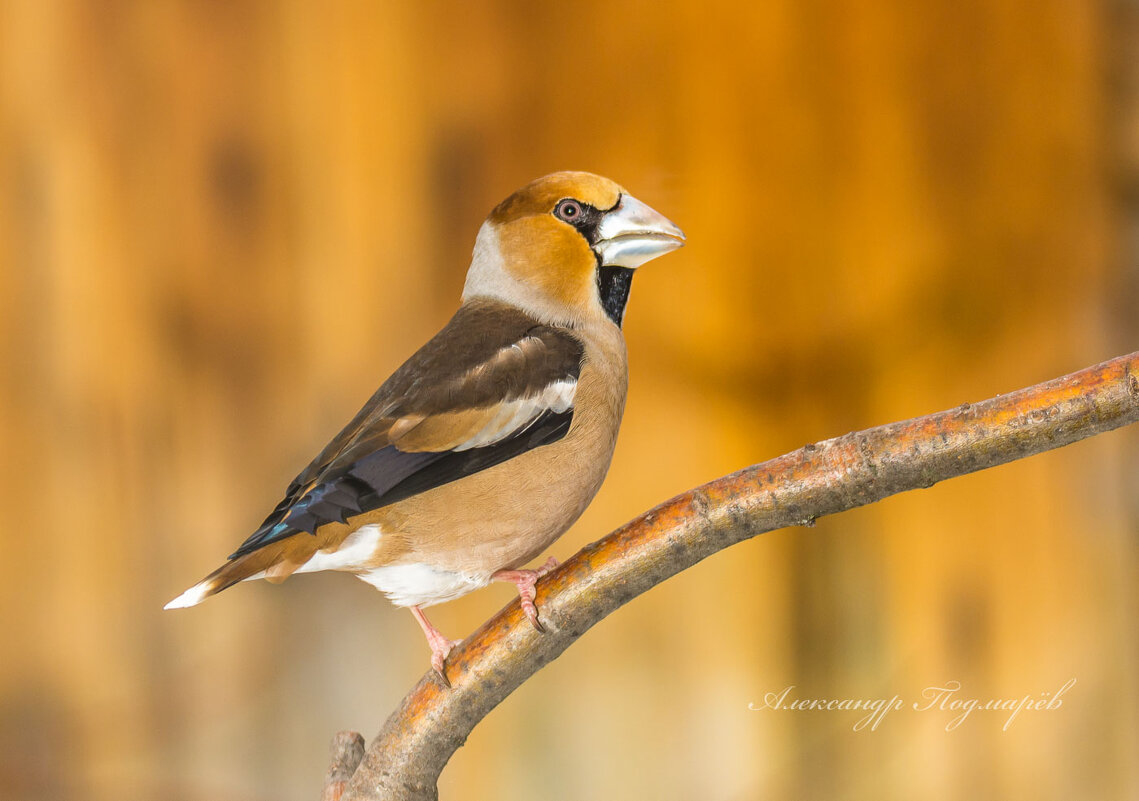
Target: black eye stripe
x=586 y=220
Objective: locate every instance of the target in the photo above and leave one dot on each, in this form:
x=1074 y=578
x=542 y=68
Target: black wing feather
x=358 y=471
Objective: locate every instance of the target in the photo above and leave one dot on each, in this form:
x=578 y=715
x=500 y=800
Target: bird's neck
x=613 y=285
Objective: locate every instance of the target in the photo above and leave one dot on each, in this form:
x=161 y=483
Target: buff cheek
x=547 y=253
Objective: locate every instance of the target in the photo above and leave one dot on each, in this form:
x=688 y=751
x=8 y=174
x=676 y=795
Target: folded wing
x=493 y=384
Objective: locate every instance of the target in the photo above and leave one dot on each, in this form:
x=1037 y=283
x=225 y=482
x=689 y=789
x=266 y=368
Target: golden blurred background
x=223 y=223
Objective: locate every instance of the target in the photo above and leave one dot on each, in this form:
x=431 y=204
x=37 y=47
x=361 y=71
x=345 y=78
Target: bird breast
x=451 y=539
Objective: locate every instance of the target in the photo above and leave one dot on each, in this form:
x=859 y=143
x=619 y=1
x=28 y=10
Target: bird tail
x=267 y=563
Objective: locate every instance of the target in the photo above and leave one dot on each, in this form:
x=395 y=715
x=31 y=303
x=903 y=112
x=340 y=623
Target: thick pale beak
x=633 y=233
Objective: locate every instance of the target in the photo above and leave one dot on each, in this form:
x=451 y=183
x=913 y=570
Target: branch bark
x=347 y=751
x=406 y=758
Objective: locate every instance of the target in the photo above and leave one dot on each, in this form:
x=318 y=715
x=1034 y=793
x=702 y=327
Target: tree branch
x=347 y=751
x=406 y=758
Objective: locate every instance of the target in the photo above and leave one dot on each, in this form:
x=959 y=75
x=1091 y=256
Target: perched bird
x=490 y=441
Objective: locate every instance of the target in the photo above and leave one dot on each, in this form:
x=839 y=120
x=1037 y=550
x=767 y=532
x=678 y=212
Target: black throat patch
x=613 y=284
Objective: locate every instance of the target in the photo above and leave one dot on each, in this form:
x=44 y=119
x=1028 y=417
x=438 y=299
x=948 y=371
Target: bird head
x=564 y=248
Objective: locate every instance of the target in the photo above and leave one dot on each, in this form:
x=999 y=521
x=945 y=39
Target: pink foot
x=440 y=645
x=524 y=580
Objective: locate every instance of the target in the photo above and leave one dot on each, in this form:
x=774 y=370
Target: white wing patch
x=516 y=415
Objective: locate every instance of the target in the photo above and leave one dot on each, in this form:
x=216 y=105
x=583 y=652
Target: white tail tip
x=190 y=597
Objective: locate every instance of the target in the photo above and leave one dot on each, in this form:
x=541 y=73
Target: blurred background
x=223 y=224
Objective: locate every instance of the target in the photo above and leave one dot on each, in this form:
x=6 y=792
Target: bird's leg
x=440 y=645
x=524 y=580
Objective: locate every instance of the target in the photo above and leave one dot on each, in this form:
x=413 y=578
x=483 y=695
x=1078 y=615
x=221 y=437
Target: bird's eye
x=568 y=210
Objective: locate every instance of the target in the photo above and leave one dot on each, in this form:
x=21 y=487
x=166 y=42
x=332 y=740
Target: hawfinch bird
x=489 y=442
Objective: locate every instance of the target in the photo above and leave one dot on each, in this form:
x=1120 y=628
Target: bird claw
x=439 y=644
x=439 y=653
x=525 y=580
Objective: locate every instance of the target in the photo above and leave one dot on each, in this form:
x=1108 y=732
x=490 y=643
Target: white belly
x=420 y=584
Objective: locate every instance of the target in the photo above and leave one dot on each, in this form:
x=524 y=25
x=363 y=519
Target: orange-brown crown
x=542 y=195
x=546 y=254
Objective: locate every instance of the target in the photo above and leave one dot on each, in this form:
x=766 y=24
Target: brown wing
x=492 y=384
